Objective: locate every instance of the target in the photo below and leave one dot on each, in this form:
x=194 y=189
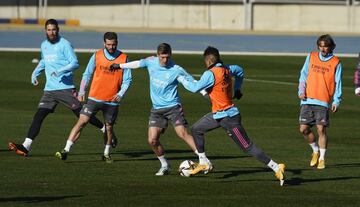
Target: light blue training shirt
x=303 y=78
x=163 y=82
x=207 y=80
x=59 y=61
x=126 y=80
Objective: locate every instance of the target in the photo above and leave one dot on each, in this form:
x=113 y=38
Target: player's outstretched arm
x=129 y=65
x=37 y=71
x=207 y=80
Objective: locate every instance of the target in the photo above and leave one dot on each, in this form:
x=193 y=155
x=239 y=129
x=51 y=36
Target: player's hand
x=116 y=98
x=302 y=96
x=81 y=98
x=237 y=94
x=114 y=67
x=34 y=81
x=357 y=91
x=334 y=108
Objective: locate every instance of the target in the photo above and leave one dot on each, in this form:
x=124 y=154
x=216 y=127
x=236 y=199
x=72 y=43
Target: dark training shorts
x=161 y=117
x=314 y=114
x=110 y=112
x=68 y=97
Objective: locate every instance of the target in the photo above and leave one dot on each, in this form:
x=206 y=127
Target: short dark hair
x=110 y=36
x=213 y=54
x=164 y=48
x=328 y=40
x=51 y=21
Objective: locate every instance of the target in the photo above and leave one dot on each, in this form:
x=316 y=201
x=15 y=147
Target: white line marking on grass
x=273 y=82
x=189 y=52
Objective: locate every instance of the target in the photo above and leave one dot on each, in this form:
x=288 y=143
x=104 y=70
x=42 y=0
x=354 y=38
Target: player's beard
x=53 y=38
x=111 y=51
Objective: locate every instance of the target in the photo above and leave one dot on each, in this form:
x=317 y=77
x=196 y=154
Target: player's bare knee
x=108 y=126
x=321 y=130
x=153 y=142
x=305 y=130
x=183 y=134
x=81 y=124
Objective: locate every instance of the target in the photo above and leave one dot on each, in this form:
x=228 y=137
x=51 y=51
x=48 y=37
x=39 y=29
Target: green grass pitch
x=269 y=110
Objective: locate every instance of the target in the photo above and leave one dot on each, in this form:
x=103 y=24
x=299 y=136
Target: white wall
x=305 y=18
x=314 y=18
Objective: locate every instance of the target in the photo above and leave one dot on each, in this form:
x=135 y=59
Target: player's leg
x=156 y=146
x=46 y=106
x=93 y=120
x=322 y=145
x=110 y=115
x=107 y=143
x=182 y=132
x=176 y=115
x=157 y=126
x=306 y=121
x=322 y=122
x=68 y=97
x=89 y=109
x=198 y=130
x=73 y=136
x=236 y=131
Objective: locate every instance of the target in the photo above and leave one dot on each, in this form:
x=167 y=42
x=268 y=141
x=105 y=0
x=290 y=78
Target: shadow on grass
x=299 y=181
x=154 y=159
x=344 y=165
x=235 y=173
x=37 y=199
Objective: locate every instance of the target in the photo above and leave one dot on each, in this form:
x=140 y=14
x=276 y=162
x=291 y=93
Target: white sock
x=68 y=145
x=103 y=129
x=322 y=154
x=196 y=152
x=163 y=161
x=314 y=147
x=107 y=149
x=203 y=159
x=27 y=143
x=273 y=165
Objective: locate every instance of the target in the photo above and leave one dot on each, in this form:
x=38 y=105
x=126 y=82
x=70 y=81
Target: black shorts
x=161 y=117
x=110 y=112
x=68 y=97
x=314 y=114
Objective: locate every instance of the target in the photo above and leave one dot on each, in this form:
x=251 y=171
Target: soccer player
x=108 y=88
x=59 y=61
x=217 y=81
x=163 y=74
x=357 y=77
x=319 y=92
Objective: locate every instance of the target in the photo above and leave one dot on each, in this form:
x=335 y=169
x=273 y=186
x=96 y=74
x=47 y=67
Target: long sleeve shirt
x=126 y=79
x=59 y=61
x=303 y=78
x=163 y=81
x=207 y=80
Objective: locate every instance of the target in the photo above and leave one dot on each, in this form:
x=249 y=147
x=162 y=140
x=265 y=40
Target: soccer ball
x=186 y=167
